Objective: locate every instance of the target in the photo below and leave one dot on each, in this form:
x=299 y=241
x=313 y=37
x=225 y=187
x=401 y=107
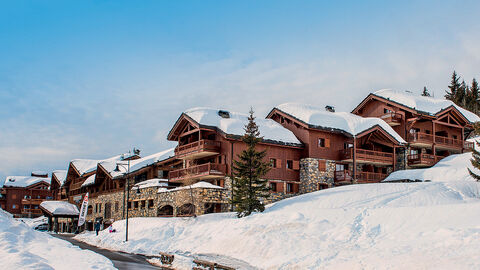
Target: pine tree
x=454 y=86
x=425 y=92
x=249 y=187
x=475 y=156
x=461 y=95
x=473 y=97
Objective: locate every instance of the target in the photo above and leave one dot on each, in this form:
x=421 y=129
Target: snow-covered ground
x=426 y=225
x=24 y=248
x=451 y=168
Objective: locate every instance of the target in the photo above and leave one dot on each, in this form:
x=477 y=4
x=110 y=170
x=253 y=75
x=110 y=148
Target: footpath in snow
x=24 y=248
x=433 y=225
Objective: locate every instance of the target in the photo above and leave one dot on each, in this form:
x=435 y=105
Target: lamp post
x=127 y=186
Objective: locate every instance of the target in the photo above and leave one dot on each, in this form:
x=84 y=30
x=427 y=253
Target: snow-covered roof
x=136 y=164
x=155 y=182
x=235 y=124
x=451 y=168
x=89 y=165
x=196 y=185
x=428 y=105
x=61 y=175
x=23 y=181
x=60 y=208
x=89 y=181
x=344 y=121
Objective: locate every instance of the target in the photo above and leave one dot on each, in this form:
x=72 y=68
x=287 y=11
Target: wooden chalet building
x=208 y=142
x=434 y=128
x=340 y=148
x=56 y=184
x=22 y=195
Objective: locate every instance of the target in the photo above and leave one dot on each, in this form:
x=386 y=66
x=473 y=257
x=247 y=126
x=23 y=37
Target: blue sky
x=91 y=79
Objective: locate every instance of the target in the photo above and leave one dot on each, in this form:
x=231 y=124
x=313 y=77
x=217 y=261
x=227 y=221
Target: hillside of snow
x=434 y=225
x=24 y=248
x=451 y=168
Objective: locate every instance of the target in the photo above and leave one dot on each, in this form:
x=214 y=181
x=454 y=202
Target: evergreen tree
x=473 y=97
x=454 y=87
x=461 y=95
x=425 y=92
x=475 y=156
x=249 y=187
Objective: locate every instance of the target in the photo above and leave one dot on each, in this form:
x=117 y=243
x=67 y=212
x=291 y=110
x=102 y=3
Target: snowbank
x=370 y=226
x=347 y=122
x=235 y=124
x=60 y=207
x=24 y=248
x=23 y=181
x=451 y=168
x=155 y=182
x=429 y=105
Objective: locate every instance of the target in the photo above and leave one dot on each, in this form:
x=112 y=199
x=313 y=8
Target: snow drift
x=24 y=248
x=431 y=225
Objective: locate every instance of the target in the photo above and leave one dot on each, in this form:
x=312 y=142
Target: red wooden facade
x=430 y=137
x=25 y=201
x=208 y=155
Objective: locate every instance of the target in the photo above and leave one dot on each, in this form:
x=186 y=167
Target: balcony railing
x=368 y=156
x=32 y=201
x=362 y=177
x=439 y=140
x=393 y=119
x=468 y=146
x=198 y=147
x=32 y=211
x=208 y=170
x=419 y=137
x=421 y=160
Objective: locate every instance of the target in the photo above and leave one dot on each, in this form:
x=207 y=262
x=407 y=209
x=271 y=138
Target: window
x=219 y=159
x=454 y=137
x=347 y=145
x=321 y=142
x=129 y=205
x=289 y=187
x=14 y=206
x=26 y=207
x=150 y=203
x=99 y=207
x=143 y=204
x=116 y=206
x=273 y=187
x=322 y=165
x=427 y=131
x=273 y=162
x=135 y=204
x=322 y=186
x=290 y=164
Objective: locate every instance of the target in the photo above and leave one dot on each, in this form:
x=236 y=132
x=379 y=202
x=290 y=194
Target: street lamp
x=117 y=169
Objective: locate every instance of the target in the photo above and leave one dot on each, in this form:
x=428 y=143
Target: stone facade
x=311 y=176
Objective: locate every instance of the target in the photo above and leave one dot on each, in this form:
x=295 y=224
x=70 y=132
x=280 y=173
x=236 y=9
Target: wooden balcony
x=445 y=143
x=198 y=149
x=368 y=157
x=468 y=146
x=421 y=160
x=32 y=201
x=393 y=119
x=199 y=172
x=420 y=139
x=32 y=211
x=345 y=176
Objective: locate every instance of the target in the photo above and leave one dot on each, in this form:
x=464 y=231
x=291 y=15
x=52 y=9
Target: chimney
x=329 y=108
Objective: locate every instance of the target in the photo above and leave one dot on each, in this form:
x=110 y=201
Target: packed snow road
x=121 y=260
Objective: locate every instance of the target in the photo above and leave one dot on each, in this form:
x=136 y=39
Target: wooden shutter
x=327 y=143
x=279 y=163
x=280 y=187
x=322 y=166
x=296 y=165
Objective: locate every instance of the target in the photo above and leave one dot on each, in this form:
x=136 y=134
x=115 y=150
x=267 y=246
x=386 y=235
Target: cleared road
x=120 y=260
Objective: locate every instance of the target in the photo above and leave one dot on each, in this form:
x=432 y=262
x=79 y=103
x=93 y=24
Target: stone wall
x=311 y=176
x=202 y=198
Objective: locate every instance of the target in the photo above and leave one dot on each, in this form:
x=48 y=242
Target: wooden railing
x=419 y=137
x=199 y=170
x=368 y=155
x=366 y=177
x=448 y=142
x=32 y=201
x=421 y=159
x=469 y=146
x=32 y=211
x=392 y=117
x=198 y=146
